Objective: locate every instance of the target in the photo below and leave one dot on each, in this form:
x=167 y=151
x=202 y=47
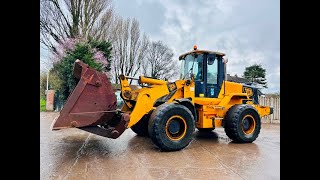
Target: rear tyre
x=205 y=129
x=141 y=127
x=171 y=127
x=242 y=123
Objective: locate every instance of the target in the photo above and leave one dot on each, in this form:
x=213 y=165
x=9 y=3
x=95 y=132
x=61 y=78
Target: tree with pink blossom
x=95 y=53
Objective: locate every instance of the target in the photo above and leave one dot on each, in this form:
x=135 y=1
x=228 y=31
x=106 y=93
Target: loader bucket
x=91 y=103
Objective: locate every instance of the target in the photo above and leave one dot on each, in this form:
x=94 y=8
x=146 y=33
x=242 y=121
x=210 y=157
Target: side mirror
x=211 y=59
x=225 y=60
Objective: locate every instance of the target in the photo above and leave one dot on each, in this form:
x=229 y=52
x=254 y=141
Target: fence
x=273 y=102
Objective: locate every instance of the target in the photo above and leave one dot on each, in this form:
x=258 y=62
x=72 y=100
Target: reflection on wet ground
x=76 y=154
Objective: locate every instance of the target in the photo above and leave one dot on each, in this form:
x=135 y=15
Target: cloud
x=248 y=31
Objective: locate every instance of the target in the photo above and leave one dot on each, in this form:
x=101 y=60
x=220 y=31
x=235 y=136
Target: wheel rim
x=176 y=128
x=248 y=124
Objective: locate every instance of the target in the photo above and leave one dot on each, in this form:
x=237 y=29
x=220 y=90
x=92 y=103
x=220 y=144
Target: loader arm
x=141 y=101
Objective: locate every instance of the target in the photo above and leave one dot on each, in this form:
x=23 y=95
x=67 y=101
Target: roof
x=200 y=52
x=236 y=79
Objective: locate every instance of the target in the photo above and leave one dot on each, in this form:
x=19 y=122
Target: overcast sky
x=248 y=31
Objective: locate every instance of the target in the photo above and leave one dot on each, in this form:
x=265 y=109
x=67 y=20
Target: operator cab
x=207 y=68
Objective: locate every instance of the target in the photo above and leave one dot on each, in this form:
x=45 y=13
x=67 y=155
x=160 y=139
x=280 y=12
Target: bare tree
x=60 y=19
x=129 y=48
x=159 y=63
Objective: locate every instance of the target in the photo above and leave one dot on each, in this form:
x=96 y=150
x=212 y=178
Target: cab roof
x=198 y=51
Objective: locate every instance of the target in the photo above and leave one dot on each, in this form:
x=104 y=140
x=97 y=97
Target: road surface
x=76 y=154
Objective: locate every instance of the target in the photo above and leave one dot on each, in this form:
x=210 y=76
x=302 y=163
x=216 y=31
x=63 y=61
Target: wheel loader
x=167 y=112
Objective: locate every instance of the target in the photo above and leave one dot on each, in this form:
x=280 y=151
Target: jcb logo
x=248 y=91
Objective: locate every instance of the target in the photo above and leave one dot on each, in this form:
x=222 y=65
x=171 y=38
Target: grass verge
x=42 y=105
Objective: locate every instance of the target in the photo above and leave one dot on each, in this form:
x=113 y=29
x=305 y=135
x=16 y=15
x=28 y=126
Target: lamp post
x=48 y=71
x=47 y=80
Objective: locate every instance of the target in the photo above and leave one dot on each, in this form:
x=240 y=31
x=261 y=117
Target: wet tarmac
x=76 y=154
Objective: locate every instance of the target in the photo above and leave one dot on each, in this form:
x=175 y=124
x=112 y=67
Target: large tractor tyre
x=171 y=127
x=141 y=127
x=205 y=129
x=242 y=123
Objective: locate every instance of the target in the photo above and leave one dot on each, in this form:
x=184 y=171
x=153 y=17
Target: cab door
x=200 y=77
x=214 y=75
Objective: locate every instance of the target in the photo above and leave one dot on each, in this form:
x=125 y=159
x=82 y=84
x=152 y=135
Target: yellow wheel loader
x=167 y=112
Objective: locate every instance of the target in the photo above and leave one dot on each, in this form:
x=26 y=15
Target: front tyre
x=242 y=123
x=141 y=127
x=171 y=127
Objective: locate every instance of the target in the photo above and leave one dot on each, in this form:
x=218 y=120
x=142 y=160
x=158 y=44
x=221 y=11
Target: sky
x=247 y=31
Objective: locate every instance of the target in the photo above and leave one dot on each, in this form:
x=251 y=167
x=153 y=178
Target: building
x=236 y=79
